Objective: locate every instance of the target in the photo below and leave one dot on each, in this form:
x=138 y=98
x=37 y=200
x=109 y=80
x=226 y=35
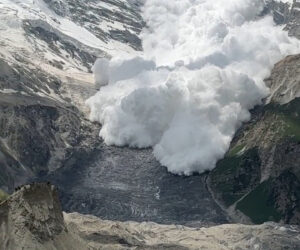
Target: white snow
x=202 y=70
x=37 y=9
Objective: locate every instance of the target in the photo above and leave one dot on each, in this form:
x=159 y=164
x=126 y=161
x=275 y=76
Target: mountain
x=47 y=50
x=46 y=54
x=259 y=176
x=32 y=218
x=44 y=131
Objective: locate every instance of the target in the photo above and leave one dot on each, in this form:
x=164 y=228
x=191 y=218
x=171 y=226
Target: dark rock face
x=279 y=10
x=272 y=190
x=90 y=14
x=37 y=133
x=19 y=79
x=286 y=194
x=59 y=7
x=285 y=14
x=62 y=47
x=293 y=25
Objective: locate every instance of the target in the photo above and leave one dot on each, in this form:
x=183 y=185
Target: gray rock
x=32 y=219
x=284 y=81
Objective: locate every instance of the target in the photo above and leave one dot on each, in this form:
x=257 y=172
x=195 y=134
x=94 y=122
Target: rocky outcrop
x=259 y=180
x=293 y=25
x=284 y=82
x=32 y=219
x=285 y=13
x=37 y=132
x=46 y=76
x=260 y=174
x=91 y=14
x=115 y=235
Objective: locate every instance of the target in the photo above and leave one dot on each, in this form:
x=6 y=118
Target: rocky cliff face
x=32 y=219
x=259 y=176
x=37 y=131
x=46 y=76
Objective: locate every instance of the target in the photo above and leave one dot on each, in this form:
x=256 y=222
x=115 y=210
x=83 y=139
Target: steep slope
x=46 y=75
x=259 y=176
x=44 y=134
x=32 y=218
x=47 y=49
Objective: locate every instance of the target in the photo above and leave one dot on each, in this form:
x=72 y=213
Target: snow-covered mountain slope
x=47 y=50
x=95 y=24
x=64 y=38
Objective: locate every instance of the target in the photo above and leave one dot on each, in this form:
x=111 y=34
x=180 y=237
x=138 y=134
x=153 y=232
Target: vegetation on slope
x=236 y=174
x=258 y=205
x=3 y=195
x=260 y=172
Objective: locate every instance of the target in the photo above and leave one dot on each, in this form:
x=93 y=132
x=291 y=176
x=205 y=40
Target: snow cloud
x=202 y=70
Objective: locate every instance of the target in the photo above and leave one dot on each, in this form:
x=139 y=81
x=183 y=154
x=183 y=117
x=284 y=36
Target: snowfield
x=38 y=10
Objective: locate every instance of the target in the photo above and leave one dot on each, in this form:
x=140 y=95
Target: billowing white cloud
x=202 y=70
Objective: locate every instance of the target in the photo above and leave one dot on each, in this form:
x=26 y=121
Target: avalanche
x=203 y=68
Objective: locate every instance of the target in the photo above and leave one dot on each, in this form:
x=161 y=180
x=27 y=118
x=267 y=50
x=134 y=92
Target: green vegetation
x=236 y=174
x=235 y=150
x=292 y=128
x=289 y=114
x=221 y=176
x=258 y=205
x=3 y=196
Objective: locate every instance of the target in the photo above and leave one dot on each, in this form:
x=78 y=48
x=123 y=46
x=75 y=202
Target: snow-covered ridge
x=39 y=10
x=64 y=38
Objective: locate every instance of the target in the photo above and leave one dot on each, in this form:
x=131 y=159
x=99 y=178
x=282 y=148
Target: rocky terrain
x=45 y=135
x=259 y=176
x=46 y=76
x=32 y=218
x=44 y=131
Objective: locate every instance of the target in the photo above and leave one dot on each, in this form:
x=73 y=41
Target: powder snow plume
x=202 y=70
